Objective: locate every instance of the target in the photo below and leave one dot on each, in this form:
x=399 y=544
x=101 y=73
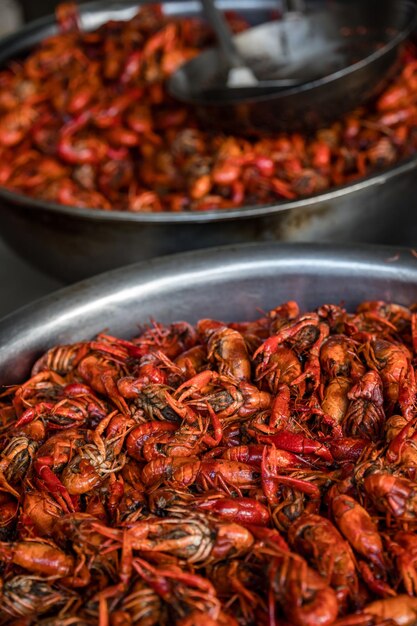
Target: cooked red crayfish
x=224 y=474
x=85 y=120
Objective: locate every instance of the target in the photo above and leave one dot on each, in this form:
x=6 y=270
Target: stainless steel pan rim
x=235 y=281
x=191 y=217
x=127 y=9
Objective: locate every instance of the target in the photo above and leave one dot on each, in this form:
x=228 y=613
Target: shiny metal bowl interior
x=229 y=283
x=337 y=73
x=73 y=243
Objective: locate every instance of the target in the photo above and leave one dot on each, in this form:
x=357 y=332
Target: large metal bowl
x=230 y=283
x=72 y=243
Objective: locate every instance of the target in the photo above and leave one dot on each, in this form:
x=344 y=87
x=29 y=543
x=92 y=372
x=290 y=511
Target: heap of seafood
x=255 y=473
x=85 y=120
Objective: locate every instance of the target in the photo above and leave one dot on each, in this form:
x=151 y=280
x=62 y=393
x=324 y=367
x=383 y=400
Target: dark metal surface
x=20 y=282
x=72 y=243
x=236 y=73
x=231 y=283
x=341 y=52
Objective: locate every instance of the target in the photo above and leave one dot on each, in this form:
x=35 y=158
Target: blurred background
x=383 y=206
x=32 y=9
x=12 y=15
x=16 y=11
x=23 y=282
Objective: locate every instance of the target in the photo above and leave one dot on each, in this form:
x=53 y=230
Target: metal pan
x=230 y=283
x=337 y=71
x=73 y=243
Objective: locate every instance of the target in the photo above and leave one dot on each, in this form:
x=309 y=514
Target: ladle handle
x=293 y=6
x=223 y=32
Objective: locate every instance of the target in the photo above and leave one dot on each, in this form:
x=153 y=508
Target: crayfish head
x=23 y=595
x=338 y=357
x=162 y=500
x=393 y=426
x=17 y=456
x=207 y=327
x=232 y=540
x=370 y=462
x=303 y=341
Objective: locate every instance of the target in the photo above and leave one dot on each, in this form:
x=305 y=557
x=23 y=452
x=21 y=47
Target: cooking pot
x=72 y=243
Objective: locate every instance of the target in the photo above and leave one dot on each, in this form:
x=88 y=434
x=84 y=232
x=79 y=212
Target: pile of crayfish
x=252 y=473
x=85 y=120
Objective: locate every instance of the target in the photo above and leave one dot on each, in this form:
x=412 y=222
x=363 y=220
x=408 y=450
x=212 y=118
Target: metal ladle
x=310 y=67
x=240 y=75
